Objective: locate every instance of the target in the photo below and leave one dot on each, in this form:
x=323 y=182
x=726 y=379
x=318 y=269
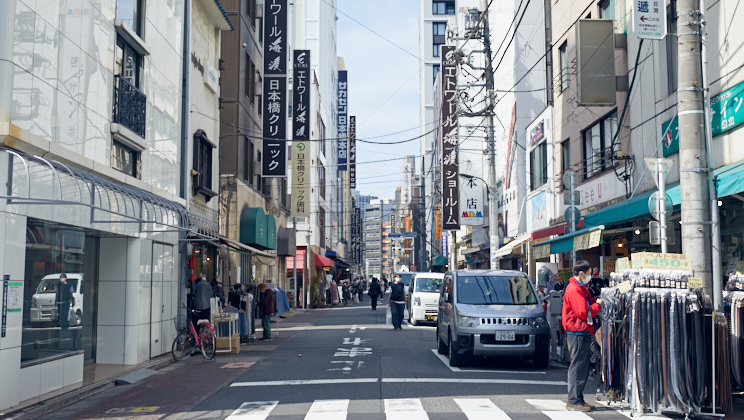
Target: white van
x=44 y=302
x=424 y=297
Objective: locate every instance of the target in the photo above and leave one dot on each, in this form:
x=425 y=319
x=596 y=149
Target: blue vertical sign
x=343 y=120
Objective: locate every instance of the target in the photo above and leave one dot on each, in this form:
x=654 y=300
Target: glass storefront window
x=59 y=291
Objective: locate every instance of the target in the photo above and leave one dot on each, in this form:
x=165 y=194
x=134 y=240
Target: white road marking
x=444 y=360
x=328 y=410
x=307 y=382
x=357 y=341
x=481 y=409
x=473 y=381
x=548 y=405
x=257 y=410
x=405 y=409
x=556 y=410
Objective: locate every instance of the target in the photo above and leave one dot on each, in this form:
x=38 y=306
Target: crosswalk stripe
x=405 y=409
x=547 y=405
x=481 y=409
x=257 y=410
x=328 y=410
x=556 y=410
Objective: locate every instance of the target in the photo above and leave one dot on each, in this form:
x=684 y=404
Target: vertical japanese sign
x=353 y=251
x=343 y=120
x=471 y=196
x=358 y=213
x=450 y=169
x=352 y=152
x=406 y=192
x=274 y=156
x=300 y=133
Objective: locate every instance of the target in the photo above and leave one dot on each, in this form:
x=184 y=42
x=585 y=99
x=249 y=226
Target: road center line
x=397 y=380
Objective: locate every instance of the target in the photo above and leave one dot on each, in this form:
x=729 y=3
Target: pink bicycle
x=187 y=341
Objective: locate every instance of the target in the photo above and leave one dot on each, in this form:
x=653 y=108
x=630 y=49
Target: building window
x=598 y=147
x=125 y=159
x=250 y=11
x=671 y=47
x=539 y=166
x=202 y=178
x=321 y=226
x=131 y=13
x=607 y=9
x=128 y=63
x=439 y=30
x=563 y=52
x=435 y=71
x=259 y=181
x=322 y=132
x=321 y=180
x=565 y=155
x=259 y=92
x=443 y=7
x=247 y=161
x=250 y=79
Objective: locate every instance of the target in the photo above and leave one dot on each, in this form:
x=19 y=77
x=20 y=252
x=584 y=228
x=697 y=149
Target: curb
x=54 y=403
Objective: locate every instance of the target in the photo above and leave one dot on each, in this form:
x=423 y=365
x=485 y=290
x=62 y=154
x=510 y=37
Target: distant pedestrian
x=397 y=302
x=374 y=292
x=577 y=316
x=202 y=296
x=360 y=289
x=267 y=309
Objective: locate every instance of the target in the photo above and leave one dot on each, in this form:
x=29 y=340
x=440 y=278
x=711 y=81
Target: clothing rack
x=656 y=355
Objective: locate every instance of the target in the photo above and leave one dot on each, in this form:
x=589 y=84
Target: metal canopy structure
x=37 y=180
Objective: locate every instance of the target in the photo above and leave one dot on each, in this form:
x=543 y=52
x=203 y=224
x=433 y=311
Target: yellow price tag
x=624 y=286
x=694 y=282
x=622 y=264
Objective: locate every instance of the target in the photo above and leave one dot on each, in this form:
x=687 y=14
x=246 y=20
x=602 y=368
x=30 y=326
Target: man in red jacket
x=578 y=311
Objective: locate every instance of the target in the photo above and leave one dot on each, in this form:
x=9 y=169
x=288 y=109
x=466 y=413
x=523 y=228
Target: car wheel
x=455 y=359
x=441 y=347
x=78 y=318
x=411 y=320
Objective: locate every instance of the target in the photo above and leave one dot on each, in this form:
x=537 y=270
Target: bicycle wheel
x=183 y=346
x=209 y=342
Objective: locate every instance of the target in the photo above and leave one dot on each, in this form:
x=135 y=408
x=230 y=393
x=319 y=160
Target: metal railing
x=130 y=106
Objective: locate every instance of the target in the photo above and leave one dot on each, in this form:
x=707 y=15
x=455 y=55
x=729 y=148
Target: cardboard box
x=224 y=344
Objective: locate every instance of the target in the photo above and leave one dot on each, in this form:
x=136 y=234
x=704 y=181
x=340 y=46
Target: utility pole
x=493 y=207
x=692 y=154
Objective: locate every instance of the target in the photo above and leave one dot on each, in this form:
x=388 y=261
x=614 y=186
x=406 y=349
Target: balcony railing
x=130 y=106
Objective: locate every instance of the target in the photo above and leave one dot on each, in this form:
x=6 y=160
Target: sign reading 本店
x=450 y=163
x=471 y=197
x=352 y=152
x=649 y=19
x=343 y=122
x=300 y=134
x=274 y=156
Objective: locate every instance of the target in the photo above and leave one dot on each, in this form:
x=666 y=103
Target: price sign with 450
x=661 y=261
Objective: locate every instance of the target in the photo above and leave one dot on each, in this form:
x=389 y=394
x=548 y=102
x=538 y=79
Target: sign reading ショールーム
x=274 y=156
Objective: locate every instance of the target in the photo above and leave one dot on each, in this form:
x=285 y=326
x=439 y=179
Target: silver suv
x=491 y=313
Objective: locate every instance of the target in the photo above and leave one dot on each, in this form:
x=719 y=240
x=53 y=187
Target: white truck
x=45 y=306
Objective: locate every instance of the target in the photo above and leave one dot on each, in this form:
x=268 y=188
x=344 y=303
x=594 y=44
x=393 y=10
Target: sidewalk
x=169 y=385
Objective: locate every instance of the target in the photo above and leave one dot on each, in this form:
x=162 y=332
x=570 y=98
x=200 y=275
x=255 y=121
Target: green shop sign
x=726 y=112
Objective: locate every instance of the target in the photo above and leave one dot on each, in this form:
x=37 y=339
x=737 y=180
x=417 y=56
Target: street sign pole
x=660 y=176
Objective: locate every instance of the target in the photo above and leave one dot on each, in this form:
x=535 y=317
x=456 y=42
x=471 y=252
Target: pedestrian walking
x=202 y=296
x=267 y=309
x=360 y=289
x=397 y=302
x=578 y=311
x=374 y=292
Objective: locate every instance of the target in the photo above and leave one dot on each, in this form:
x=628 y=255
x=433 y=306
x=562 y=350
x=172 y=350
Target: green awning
x=571 y=241
x=729 y=179
x=440 y=261
x=253 y=227
x=270 y=231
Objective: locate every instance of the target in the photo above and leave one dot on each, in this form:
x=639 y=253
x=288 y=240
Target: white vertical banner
x=471 y=202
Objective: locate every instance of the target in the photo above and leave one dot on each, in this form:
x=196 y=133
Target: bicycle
x=187 y=341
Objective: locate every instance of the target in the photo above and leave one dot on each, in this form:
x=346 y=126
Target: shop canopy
x=440 y=261
x=512 y=246
x=321 y=261
x=575 y=241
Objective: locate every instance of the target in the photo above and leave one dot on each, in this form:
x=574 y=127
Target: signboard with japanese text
x=274 y=156
x=406 y=191
x=274 y=149
x=649 y=19
x=300 y=134
x=352 y=152
x=275 y=37
x=360 y=244
x=450 y=163
x=670 y=135
x=343 y=120
x=726 y=111
x=471 y=197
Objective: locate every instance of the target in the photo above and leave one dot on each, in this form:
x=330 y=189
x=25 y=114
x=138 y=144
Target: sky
x=383 y=86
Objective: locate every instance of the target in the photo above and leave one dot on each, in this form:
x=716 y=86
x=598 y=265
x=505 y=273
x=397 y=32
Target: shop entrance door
x=161 y=280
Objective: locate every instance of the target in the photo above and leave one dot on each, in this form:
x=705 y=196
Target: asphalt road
x=344 y=363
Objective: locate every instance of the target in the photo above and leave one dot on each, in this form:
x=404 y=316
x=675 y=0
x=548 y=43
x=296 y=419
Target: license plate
x=430 y=317
x=505 y=336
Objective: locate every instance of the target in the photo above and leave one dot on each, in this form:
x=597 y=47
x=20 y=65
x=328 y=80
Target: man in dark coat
x=267 y=309
x=374 y=292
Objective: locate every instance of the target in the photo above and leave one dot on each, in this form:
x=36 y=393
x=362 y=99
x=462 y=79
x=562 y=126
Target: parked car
x=423 y=296
x=44 y=307
x=491 y=313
